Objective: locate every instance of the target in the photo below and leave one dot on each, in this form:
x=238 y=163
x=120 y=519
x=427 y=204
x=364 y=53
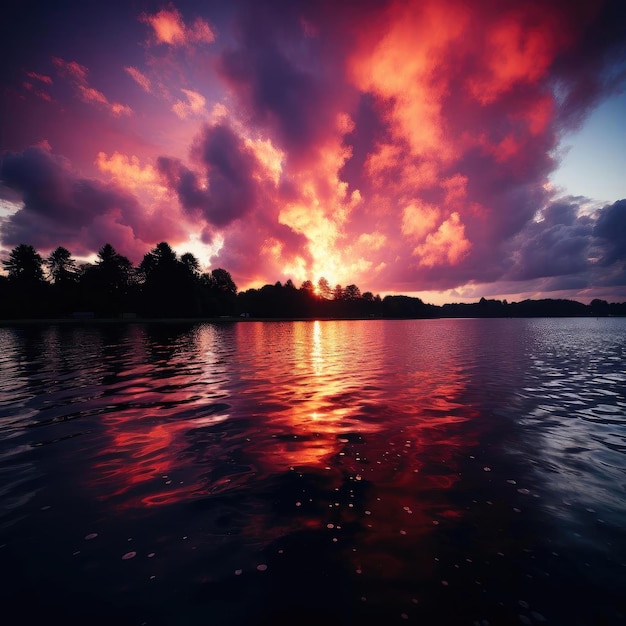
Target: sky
x=446 y=149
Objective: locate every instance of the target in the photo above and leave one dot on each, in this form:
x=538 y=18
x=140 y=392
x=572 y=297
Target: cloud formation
x=141 y=79
x=194 y=105
x=404 y=146
x=169 y=28
x=611 y=229
x=60 y=207
x=77 y=75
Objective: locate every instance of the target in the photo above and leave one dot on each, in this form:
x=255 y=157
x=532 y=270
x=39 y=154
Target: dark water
x=377 y=472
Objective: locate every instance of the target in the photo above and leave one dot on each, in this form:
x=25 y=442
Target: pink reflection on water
x=341 y=399
x=141 y=455
x=165 y=396
x=393 y=435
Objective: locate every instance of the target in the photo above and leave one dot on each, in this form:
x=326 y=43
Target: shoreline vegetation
x=168 y=288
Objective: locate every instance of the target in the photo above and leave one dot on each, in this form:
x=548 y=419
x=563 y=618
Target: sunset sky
x=440 y=148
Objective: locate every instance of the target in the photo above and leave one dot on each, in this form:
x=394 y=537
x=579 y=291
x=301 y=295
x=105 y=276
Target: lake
x=458 y=471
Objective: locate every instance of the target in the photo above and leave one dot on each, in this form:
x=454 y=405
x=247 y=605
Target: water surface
x=430 y=471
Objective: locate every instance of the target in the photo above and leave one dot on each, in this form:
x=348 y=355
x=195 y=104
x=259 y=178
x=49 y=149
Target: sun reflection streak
x=317 y=354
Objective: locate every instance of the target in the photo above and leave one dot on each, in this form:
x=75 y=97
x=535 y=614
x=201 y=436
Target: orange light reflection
x=376 y=415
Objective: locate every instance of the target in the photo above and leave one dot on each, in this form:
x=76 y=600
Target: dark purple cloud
x=61 y=207
x=226 y=190
x=593 y=65
x=571 y=248
x=610 y=229
x=278 y=71
x=559 y=245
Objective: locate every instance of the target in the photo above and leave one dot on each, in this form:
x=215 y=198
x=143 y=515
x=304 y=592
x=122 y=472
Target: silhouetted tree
x=5 y=297
x=223 y=281
x=351 y=292
x=26 y=287
x=407 y=307
x=61 y=266
x=171 y=286
x=168 y=286
x=108 y=286
x=219 y=293
x=65 y=295
x=25 y=264
x=113 y=269
x=599 y=308
x=159 y=263
x=547 y=307
x=308 y=287
x=323 y=289
x=191 y=263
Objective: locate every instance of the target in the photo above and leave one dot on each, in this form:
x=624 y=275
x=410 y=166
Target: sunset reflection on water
x=233 y=411
x=336 y=471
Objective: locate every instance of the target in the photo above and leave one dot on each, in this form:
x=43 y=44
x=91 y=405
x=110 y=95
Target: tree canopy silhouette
x=166 y=285
x=61 y=266
x=24 y=265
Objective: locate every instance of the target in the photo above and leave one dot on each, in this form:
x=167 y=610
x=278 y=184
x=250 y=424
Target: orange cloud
x=194 y=106
x=269 y=157
x=169 y=28
x=321 y=214
x=519 y=48
x=382 y=160
x=372 y=241
x=419 y=219
x=403 y=61
x=446 y=246
x=128 y=171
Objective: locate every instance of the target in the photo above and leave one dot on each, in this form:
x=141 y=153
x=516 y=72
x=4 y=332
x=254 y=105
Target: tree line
x=165 y=285
x=162 y=285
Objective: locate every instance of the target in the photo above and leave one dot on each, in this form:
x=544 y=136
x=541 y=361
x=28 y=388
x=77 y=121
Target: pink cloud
x=141 y=79
x=61 y=207
x=40 y=77
x=40 y=93
x=77 y=74
x=453 y=126
x=72 y=69
x=169 y=28
x=194 y=106
x=445 y=246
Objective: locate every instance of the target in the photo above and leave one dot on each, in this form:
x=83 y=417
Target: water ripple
x=402 y=454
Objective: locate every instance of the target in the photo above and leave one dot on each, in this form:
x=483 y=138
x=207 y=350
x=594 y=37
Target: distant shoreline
x=65 y=321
